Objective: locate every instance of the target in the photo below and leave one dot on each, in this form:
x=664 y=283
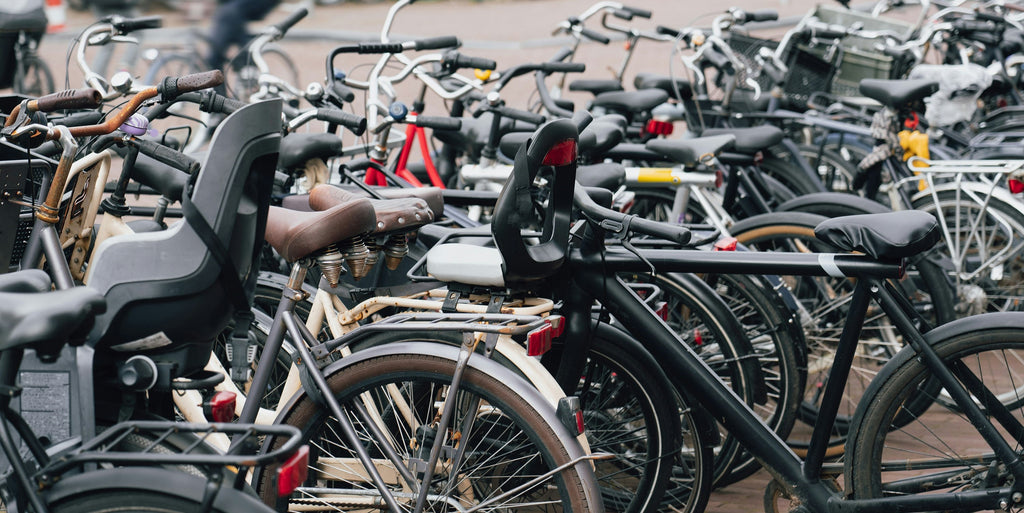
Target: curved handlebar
x=291 y=20
x=617 y=221
x=85 y=98
x=126 y=25
x=357 y=124
x=172 y=87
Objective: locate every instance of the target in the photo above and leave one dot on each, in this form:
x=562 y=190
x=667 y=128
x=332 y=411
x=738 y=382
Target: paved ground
x=511 y=32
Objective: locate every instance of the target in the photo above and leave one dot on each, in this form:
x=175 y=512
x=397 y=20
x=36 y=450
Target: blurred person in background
x=18 y=16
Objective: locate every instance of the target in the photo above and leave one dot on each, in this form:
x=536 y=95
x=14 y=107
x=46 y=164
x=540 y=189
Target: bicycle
x=22 y=69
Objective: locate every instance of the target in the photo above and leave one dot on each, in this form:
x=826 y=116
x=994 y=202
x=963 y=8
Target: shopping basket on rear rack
x=22 y=176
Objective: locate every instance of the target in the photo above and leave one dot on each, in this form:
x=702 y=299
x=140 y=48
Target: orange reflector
x=292 y=473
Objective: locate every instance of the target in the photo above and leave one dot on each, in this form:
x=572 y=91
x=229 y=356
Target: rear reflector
x=538 y=341
x=571 y=415
x=292 y=473
x=726 y=244
x=1016 y=186
x=557 y=325
x=662 y=310
x=220 y=407
x=561 y=154
x=655 y=127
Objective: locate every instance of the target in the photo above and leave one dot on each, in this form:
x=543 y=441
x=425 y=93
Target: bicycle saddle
x=631 y=101
x=30 y=280
x=295 y=234
x=46 y=319
x=690 y=152
x=296 y=149
x=648 y=80
x=888 y=236
x=398 y=214
x=595 y=86
x=750 y=140
x=607 y=175
x=896 y=93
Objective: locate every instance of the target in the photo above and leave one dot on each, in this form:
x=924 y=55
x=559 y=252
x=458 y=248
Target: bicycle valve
x=356 y=255
x=395 y=250
x=330 y=264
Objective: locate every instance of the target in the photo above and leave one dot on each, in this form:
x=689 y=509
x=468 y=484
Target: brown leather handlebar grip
x=85 y=98
x=172 y=87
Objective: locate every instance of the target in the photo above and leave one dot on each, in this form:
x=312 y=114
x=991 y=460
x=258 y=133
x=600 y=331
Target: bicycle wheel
x=183 y=121
x=125 y=499
x=898 y=450
x=821 y=304
x=790 y=175
x=706 y=325
x=242 y=75
x=981 y=253
x=781 y=352
x=836 y=166
x=33 y=77
x=497 y=440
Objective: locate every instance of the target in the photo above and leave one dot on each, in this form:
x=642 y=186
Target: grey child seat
x=164 y=291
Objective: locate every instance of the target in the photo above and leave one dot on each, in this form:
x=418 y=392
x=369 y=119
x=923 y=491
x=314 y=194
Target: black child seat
x=165 y=292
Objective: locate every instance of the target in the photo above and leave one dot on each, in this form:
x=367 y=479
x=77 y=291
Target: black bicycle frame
x=594 y=271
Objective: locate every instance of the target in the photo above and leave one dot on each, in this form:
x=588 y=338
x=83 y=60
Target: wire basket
x=809 y=70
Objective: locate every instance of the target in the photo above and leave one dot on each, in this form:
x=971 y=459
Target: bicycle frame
x=594 y=269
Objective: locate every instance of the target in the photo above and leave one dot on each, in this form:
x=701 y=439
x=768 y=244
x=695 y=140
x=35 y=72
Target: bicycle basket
x=22 y=175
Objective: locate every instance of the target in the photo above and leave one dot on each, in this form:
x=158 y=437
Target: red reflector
x=220 y=407
x=662 y=310
x=561 y=154
x=557 y=325
x=726 y=244
x=698 y=339
x=1016 y=186
x=655 y=127
x=580 y=428
x=719 y=178
x=538 y=341
x=292 y=473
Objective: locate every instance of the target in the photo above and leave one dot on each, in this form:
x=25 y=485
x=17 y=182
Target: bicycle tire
x=33 y=77
x=836 y=166
x=537 y=444
x=789 y=175
x=1002 y=294
x=823 y=303
x=884 y=434
x=116 y=500
x=708 y=327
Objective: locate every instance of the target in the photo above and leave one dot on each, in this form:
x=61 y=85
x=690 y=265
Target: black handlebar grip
x=438 y=43
x=643 y=13
x=439 y=123
x=172 y=87
x=357 y=124
x=563 y=67
x=670 y=232
x=763 y=15
x=173 y=158
x=824 y=33
x=622 y=14
x=291 y=20
x=380 y=48
x=223 y=104
x=718 y=60
x=994 y=18
x=465 y=61
x=142 y=23
x=342 y=92
x=521 y=115
x=975 y=26
x=85 y=98
x=89 y=117
x=666 y=31
x=594 y=36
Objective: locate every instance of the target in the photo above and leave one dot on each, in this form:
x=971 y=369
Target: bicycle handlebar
x=357 y=124
x=163 y=154
x=126 y=25
x=172 y=87
x=437 y=43
x=85 y=98
x=290 y=21
x=454 y=60
x=439 y=122
x=617 y=221
x=643 y=13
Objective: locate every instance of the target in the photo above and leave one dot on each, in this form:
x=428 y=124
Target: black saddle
x=296 y=149
x=888 y=236
x=595 y=86
x=654 y=81
x=897 y=93
x=690 y=152
x=750 y=140
x=631 y=101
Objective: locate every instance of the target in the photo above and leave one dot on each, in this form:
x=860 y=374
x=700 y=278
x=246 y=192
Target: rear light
x=571 y=415
x=561 y=154
x=220 y=407
x=726 y=244
x=1016 y=186
x=538 y=341
x=655 y=127
x=719 y=178
x=557 y=325
x=698 y=338
x=292 y=473
x=662 y=310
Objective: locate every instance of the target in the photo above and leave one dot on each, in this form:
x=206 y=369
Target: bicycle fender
x=974 y=323
x=808 y=202
x=481 y=364
x=981 y=189
x=171 y=482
